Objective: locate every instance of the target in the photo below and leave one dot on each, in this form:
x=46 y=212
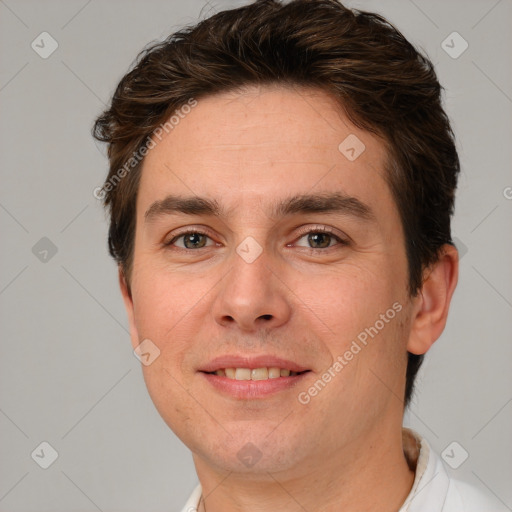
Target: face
x=292 y=264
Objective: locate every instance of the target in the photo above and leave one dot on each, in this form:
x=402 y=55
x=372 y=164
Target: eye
x=316 y=239
x=320 y=238
x=190 y=240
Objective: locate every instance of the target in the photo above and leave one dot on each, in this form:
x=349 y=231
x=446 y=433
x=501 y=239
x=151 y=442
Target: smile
x=255 y=373
x=246 y=377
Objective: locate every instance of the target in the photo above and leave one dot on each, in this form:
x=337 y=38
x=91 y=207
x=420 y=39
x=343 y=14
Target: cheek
x=165 y=308
x=359 y=314
x=162 y=298
x=346 y=301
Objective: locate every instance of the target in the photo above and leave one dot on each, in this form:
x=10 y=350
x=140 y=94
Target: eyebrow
x=304 y=203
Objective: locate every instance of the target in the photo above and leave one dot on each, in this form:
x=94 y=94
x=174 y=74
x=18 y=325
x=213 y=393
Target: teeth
x=274 y=373
x=259 y=374
x=255 y=373
x=243 y=374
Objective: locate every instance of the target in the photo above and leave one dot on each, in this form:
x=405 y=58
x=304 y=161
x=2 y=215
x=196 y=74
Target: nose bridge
x=251 y=296
x=250 y=270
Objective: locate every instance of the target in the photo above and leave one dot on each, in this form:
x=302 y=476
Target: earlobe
x=128 y=304
x=431 y=306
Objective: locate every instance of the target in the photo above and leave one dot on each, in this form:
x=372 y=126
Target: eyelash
x=318 y=229
x=327 y=231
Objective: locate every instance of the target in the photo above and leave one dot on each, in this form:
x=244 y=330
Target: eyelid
x=170 y=239
x=342 y=238
x=305 y=230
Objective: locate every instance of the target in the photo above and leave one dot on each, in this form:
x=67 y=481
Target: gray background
x=68 y=375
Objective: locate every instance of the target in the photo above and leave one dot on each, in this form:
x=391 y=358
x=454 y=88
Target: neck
x=355 y=478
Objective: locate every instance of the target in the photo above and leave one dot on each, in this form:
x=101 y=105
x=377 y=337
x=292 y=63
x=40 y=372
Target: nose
x=252 y=296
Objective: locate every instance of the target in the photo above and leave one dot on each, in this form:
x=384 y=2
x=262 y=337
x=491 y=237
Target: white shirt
x=433 y=489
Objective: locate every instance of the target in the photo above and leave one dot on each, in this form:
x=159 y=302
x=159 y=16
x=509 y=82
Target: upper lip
x=240 y=361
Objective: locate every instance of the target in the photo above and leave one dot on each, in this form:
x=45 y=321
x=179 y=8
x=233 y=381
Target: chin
x=249 y=450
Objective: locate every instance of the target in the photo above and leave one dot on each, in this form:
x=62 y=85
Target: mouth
x=252 y=377
x=263 y=373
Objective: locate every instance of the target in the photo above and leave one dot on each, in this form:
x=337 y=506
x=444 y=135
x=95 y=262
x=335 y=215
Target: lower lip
x=251 y=389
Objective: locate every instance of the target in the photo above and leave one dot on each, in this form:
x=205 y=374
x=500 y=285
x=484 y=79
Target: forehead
x=265 y=141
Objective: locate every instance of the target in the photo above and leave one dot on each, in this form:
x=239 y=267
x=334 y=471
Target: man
x=281 y=184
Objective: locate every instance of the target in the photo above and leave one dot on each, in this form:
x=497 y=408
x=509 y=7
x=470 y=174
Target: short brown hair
x=382 y=83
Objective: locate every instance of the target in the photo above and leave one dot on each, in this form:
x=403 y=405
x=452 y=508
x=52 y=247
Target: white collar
x=431 y=481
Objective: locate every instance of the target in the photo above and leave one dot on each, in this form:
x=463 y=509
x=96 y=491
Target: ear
x=430 y=309
x=128 y=304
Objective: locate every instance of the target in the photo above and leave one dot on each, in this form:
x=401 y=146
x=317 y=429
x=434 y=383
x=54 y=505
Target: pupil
x=322 y=239
x=194 y=239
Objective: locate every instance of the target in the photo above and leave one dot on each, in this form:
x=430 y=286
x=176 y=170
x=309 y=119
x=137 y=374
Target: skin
x=247 y=150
